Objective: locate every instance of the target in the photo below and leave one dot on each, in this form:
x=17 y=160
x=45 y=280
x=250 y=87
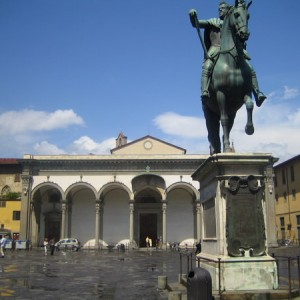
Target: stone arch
x=115 y=217
x=149 y=195
x=44 y=187
x=46 y=199
x=75 y=187
x=81 y=200
x=149 y=181
x=6 y=189
x=114 y=185
x=186 y=186
x=181 y=216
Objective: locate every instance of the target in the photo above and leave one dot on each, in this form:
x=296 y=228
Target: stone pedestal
x=238 y=220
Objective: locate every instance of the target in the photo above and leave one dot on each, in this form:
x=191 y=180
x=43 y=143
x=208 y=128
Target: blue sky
x=74 y=73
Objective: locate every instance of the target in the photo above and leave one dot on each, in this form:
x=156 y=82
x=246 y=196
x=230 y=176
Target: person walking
x=52 y=246
x=46 y=245
x=2 y=245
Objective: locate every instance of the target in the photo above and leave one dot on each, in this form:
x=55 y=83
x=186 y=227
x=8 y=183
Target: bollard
x=199 y=285
x=182 y=278
x=162 y=282
x=174 y=295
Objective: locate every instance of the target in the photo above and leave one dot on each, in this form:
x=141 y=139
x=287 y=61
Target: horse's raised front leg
x=249 y=129
x=221 y=98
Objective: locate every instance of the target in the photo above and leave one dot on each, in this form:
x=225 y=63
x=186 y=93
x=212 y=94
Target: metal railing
x=288 y=269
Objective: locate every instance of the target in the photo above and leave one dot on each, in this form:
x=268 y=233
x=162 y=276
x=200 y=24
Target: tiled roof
x=8 y=161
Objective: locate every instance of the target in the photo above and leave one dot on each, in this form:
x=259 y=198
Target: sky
x=76 y=73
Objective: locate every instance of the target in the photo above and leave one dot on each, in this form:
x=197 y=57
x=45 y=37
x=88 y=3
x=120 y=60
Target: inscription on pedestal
x=245 y=230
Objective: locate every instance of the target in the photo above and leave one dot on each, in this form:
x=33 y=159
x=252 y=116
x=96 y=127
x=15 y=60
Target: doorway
x=52 y=230
x=148 y=227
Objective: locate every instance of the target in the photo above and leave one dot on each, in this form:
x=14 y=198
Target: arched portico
x=45 y=212
x=183 y=214
x=114 y=214
x=80 y=211
x=149 y=190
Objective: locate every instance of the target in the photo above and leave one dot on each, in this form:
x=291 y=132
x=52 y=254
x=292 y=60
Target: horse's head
x=240 y=17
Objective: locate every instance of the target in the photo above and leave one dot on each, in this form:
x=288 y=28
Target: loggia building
x=142 y=188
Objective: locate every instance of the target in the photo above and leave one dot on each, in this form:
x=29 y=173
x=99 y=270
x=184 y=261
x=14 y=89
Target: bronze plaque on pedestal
x=245 y=229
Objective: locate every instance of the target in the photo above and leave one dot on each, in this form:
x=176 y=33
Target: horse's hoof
x=249 y=129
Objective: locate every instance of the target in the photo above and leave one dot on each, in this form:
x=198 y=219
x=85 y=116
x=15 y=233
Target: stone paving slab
x=86 y=274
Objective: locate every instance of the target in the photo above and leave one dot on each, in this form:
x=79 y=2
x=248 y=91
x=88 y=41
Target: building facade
x=287 y=195
x=142 y=189
x=10 y=198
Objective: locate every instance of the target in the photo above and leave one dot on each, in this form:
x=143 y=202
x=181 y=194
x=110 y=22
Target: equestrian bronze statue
x=228 y=78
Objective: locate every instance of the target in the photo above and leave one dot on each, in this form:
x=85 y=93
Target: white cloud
x=290 y=93
x=45 y=148
x=286 y=94
x=16 y=122
x=185 y=126
x=276 y=126
x=86 y=145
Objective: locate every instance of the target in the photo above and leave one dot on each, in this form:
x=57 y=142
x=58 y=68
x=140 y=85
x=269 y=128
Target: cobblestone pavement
x=86 y=274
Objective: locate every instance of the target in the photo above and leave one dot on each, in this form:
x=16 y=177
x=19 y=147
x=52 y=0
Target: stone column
x=270 y=207
x=198 y=221
x=131 y=223
x=31 y=234
x=25 y=207
x=97 y=226
x=63 y=219
x=164 y=223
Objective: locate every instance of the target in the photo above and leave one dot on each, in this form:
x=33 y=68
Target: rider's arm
x=194 y=19
x=203 y=23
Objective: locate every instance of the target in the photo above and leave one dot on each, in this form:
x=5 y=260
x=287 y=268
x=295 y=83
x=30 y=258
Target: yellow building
x=287 y=195
x=10 y=196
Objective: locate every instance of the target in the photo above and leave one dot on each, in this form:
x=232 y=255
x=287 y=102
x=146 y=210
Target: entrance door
x=53 y=230
x=148 y=227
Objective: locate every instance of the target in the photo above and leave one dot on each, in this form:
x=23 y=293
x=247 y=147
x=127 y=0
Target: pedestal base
x=247 y=273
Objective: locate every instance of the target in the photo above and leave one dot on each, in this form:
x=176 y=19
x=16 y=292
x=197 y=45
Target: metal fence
x=288 y=269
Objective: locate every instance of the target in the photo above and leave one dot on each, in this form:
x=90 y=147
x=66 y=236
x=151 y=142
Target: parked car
x=68 y=244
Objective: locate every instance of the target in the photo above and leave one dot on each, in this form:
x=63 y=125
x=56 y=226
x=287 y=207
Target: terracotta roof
x=8 y=161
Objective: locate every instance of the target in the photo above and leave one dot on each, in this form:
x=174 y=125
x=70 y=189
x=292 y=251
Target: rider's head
x=223 y=9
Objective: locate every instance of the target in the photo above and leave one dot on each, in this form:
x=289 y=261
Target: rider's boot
x=258 y=95
x=204 y=87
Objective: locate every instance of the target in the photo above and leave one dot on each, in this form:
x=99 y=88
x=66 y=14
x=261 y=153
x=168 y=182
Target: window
x=17 y=177
x=2 y=203
x=282 y=221
x=292 y=173
x=294 y=194
x=276 y=198
x=16 y=215
x=5 y=191
x=285 y=196
x=275 y=181
x=298 y=220
x=283 y=176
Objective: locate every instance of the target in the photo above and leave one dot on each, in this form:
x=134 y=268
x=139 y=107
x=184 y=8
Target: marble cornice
x=136 y=165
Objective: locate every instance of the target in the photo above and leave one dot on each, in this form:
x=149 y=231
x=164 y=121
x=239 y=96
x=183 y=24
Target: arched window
x=5 y=191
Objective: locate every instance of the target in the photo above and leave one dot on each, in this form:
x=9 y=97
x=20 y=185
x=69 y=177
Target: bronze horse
x=231 y=83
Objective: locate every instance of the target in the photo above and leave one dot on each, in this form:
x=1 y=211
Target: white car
x=68 y=244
